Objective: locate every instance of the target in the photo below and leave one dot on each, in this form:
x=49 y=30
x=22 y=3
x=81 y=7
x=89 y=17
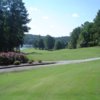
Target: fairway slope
x=65 y=54
x=64 y=82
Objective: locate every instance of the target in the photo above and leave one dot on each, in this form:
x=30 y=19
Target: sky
x=59 y=17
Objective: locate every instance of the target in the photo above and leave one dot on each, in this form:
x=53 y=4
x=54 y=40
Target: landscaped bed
x=13 y=59
x=10 y=58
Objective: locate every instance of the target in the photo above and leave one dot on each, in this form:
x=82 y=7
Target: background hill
x=30 y=39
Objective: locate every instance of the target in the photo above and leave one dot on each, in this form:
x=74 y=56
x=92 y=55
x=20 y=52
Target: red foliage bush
x=10 y=57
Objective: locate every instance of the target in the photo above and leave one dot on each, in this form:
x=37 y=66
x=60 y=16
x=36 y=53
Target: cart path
x=50 y=65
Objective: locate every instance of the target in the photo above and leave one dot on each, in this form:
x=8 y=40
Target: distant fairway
x=65 y=54
x=66 y=82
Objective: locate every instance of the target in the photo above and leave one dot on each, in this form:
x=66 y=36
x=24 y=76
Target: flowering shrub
x=10 y=57
x=17 y=63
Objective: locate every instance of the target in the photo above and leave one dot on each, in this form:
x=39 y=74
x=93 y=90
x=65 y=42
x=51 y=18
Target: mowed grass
x=66 y=82
x=65 y=54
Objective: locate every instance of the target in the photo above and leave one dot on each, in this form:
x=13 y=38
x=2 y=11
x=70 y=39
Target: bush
x=17 y=63
x=10 y=57
x=21 y=57
x=31 y=61
x=91 y=44
x=39 y=61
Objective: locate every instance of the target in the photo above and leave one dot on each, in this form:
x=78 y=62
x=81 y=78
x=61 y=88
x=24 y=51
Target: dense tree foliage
x=13 y=20
x=74 y=37
x=86 y=35
x=97 y=28
x=35 y=44
x=43 y=42
x=30 y=39
x=49 y=42
x=59 y=45
x=38 y=42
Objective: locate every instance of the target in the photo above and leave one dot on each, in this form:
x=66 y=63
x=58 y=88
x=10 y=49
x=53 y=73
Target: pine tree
x=97 y=28
x=18 y=21
x=4 y=27
x=13 y=24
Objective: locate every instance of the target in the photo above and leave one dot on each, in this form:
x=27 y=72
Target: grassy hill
x=65 y=54
x=66 y=82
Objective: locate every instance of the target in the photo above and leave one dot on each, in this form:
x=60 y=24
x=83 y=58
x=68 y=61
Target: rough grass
x=66 y=82
x=65 y=54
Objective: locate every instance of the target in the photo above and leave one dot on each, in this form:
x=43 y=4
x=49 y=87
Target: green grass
x=66 y=82
x=65 y=54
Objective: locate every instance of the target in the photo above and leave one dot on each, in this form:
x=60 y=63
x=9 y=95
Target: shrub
x=39 y=61
x=21 y=57
x=17 y=62
x=10 y=57
x=31 y=61
x=91 y=44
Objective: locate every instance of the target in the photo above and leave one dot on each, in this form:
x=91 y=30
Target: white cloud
x=45 y=17
x=75 y=15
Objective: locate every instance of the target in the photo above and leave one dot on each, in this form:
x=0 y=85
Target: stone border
x=27 y=64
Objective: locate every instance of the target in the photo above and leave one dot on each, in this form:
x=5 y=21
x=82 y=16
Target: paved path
x=38 y=66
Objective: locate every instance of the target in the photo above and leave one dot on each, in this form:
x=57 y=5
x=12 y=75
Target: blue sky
x=59 y=17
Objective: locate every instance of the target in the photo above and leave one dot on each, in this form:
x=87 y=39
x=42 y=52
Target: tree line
x=13 y=20
x=87 y=35
x=48 y=43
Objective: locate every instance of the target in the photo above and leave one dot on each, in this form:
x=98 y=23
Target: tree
x=1 y=26
x=38 y=43
x=82 y=41
x=97 y=28
x=41 y=43
x=18 y=21
x=83 y=36
x=74 y=37
x=59 y=45
x=49 y=42
x=86 y=35
x=35 y=44
x=4 y=28
x=13 y=20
